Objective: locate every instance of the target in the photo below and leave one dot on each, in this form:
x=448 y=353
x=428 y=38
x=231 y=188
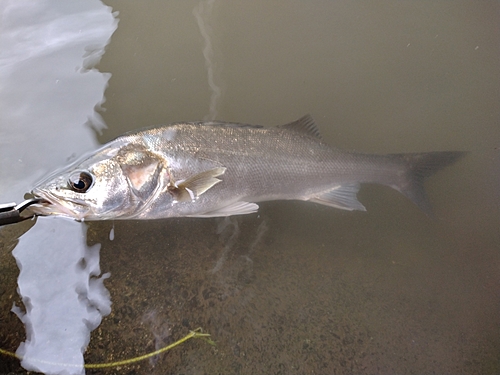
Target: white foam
x=48 y=92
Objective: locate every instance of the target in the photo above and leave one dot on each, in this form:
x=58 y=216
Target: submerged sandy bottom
x=279 y=299
x=279 y=302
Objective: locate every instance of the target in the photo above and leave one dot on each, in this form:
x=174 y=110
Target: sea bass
x=209 y=169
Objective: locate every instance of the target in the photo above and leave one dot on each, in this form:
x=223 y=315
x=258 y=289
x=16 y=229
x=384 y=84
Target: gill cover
x=141 y=168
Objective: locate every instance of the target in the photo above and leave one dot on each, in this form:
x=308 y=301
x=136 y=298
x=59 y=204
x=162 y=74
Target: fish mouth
x=53 y=205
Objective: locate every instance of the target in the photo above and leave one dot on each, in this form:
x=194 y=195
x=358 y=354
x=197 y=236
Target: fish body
x=209 y=169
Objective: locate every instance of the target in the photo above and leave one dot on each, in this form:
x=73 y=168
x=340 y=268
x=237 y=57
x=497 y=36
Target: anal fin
x=342 y=197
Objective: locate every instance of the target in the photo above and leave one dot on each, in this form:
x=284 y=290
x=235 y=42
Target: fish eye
x=80 y=181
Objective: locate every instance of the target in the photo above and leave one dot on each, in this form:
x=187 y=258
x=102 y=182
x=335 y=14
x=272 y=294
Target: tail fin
x=419 y=166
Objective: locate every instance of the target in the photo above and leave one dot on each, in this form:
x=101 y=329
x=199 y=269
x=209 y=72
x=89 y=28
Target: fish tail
x=418 y=167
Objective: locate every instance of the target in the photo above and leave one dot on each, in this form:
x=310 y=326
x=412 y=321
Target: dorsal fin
x=304 y=125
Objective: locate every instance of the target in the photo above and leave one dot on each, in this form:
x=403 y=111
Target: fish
x=217 y=169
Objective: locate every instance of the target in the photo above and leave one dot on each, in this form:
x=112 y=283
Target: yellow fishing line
x=10 y=354
x=197 y=333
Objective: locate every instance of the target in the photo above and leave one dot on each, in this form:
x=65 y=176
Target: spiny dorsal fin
x=304 y=125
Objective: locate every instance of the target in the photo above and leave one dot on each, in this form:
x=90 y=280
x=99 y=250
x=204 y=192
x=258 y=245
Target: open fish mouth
x=51 y=205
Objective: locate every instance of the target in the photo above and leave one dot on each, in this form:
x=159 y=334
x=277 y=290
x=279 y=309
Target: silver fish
x=209 y=169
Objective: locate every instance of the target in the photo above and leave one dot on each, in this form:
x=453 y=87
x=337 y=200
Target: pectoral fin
x=189 y=190
x=341 y=196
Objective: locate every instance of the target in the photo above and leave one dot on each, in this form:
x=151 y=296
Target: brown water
x=301 y=288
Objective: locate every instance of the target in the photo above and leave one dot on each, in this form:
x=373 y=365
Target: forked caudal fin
x=406 y=175
x=419 y=166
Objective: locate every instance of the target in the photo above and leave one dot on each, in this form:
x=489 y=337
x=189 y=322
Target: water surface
x=300 y=288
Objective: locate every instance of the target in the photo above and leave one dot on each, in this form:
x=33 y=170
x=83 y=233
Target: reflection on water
x=296 y=288
x=48 y=91
x=203 y=12
x=62 y=295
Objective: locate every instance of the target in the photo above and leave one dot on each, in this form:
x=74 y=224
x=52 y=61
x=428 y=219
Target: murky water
x=301 y=288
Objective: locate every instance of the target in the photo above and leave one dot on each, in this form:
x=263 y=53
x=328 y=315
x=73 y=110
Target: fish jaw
x=55 y=206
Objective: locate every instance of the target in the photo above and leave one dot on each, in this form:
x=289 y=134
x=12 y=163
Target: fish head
x=112 y=183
